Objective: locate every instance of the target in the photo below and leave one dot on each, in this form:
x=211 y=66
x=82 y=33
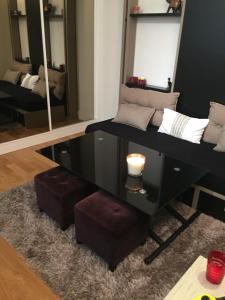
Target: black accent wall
x=200 y=75
x=34 y=32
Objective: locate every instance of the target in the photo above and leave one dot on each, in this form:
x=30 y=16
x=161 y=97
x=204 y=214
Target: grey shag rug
x=74 y=272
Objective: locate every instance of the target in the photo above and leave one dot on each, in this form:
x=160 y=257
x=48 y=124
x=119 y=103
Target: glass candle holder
x=134 y=184
x=133 y=80
x=215 y=267
x=135 y=164
x=136 y=9
x=142 y=82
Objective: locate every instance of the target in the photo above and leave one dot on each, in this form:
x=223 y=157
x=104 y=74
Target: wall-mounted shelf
x=152 y=15
x=18 y=16
x=54 y=16
x=151 y=87
x=46 y=16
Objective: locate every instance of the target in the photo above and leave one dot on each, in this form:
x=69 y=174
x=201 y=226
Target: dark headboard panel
x=34 y=32
x=200 y=75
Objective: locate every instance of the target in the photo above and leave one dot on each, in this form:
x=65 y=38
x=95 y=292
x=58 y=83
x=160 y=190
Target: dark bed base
x=200 y=155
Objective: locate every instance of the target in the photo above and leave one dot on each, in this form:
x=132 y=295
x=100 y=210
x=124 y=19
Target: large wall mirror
x=69 y=35
x=22 y=109
x=68 y=45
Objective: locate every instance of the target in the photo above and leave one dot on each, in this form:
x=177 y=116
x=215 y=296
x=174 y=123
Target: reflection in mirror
x=69 y=35
x=23 y=106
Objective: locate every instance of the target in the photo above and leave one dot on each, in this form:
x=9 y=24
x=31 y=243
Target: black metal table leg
x=164 y=244
x=176 y=215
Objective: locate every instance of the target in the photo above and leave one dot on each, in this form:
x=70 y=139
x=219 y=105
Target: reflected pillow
x=183 y=127
x=23 y=68
x=56 y=81
x=30 y=81
x=11 y=76
x=134 y=115
x=40 y=88
x=220 y=147
x=216 y=121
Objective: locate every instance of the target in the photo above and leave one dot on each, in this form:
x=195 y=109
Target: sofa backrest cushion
x=56 y=81
x=149 y=98
x=40 y=88
x=23 y=68
x=216 y=123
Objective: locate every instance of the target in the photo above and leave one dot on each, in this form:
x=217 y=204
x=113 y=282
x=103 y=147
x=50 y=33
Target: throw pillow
x=183 y=127
x=134 y=115
x=11 y=76
x=220 y=147
x=40 y=88
x=30 y=81
x=150 y=98
x=216 y=122
x=56 y=81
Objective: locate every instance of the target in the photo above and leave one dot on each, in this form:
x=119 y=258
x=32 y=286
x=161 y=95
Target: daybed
x=201 y=155
x=30 y=108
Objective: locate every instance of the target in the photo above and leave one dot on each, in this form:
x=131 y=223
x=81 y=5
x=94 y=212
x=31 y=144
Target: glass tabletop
x=101 y=159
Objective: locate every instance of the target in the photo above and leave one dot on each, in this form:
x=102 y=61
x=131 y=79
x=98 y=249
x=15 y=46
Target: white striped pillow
x=183 y=127
x=30 y=81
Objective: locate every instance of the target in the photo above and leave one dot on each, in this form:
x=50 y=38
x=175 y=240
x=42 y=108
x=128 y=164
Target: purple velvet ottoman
x=57 y=191
x=109 y=227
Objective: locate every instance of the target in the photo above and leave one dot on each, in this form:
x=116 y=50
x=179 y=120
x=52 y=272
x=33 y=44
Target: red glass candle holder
x=133 y=80
x=142 y=82
x=215 y=267
x=135 y=9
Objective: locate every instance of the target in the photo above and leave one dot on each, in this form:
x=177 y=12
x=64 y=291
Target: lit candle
x=142 y=82
x=215 y=267
x=135 y=164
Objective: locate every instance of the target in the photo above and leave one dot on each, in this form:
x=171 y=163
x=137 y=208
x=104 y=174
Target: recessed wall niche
x=151 y=42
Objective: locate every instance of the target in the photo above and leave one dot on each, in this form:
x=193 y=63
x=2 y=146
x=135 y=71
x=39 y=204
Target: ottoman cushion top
x=61 y=182
x=111 y=214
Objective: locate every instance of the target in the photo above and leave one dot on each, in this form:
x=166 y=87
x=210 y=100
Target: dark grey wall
x=34 y=32
x=200 y=75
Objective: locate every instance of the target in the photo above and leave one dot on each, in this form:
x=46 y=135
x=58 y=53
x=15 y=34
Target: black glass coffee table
x=100 y=158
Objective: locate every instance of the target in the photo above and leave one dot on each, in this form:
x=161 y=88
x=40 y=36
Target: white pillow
x=30 y=81
x=183 y=127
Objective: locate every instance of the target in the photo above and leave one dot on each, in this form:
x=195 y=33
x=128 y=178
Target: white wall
x=156 y=44
x=23 y=30
x=57 y=34
x=57 y=41
x=108 y=44
x=153 y=6
x=24 y=38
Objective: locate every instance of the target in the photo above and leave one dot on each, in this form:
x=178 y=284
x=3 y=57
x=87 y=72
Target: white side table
x=193 y=283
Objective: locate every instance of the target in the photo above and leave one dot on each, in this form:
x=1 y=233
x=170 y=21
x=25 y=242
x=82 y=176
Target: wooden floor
x=19 y=167
x=13 y=131
x=17 y=281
